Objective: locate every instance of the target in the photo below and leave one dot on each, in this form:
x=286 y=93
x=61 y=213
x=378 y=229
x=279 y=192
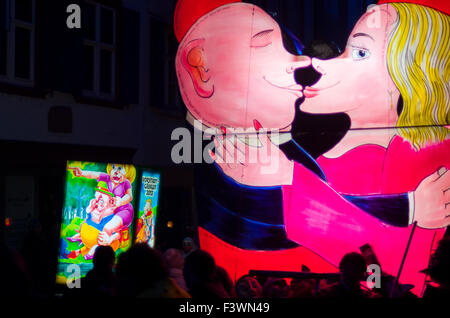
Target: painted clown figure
x=118 y=180
x=235 y=73
x=100 y=212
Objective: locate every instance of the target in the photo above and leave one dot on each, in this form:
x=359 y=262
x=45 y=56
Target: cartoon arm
x=78 y=172
x=392 y=209
x=90 y=210
x=91 y=206
x=110 y=231
x=127 y=198
x=315 y=215
x=319 y=218
x=105 y=239
x=426 y=205
x=322 y=220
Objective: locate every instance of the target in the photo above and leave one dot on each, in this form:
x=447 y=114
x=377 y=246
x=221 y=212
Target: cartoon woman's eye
x=360 y=54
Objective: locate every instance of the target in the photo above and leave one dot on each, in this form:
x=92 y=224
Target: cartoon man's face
x=233 y=69
x=103 y=201
x=117 y=173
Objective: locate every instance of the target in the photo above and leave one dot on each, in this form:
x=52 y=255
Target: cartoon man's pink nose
x=290 y=69
x=299 y=62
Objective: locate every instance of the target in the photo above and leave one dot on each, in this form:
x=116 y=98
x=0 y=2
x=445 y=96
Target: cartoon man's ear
x=193 y=59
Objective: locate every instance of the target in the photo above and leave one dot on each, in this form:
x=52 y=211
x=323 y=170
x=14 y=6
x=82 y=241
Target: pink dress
x=317 y=217
x=125 y=212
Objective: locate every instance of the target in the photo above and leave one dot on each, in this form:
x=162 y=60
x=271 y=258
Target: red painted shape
x=187 y=12
x=238 y=262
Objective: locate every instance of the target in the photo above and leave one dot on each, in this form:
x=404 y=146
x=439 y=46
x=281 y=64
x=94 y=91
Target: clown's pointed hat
x=187 y=12
x=440 y=5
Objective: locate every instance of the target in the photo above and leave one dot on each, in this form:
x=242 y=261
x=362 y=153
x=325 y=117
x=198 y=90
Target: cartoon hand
x=432 y=201
x=91 y=206
x=261 y=166
x=118 y=201
x=76 y=171
x=104 y=239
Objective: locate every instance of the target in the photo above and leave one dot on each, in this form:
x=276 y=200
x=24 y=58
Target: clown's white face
x=103 y=201
x=117 y=173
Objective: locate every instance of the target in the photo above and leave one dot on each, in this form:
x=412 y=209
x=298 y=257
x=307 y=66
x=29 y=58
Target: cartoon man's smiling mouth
x=296 y=89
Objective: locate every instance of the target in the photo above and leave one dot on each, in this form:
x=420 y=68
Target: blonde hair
x=418 y=60
x=130 y=171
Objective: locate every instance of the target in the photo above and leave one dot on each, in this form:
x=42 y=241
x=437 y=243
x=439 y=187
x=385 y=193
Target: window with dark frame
x=164 y=95
x=99 y=51
x=17 y=42
x=172 y=95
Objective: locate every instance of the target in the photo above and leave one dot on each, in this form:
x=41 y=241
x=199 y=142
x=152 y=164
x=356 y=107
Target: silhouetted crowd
x=144 y=272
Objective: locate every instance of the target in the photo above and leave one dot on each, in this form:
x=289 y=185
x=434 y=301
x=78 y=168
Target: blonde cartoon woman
x=397 y=89
x=393 y=81
x=118 y=179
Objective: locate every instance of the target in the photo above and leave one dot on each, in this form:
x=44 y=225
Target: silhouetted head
x=140 y=267
x=276 y=288
x=188 y=245
x=199 y=268
x=248 y=287
x=440 y=263
x=302 y=288
x=15 y=281
x=174 y=258
x=222 y=277
x=104 y=258
x=353 y=268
